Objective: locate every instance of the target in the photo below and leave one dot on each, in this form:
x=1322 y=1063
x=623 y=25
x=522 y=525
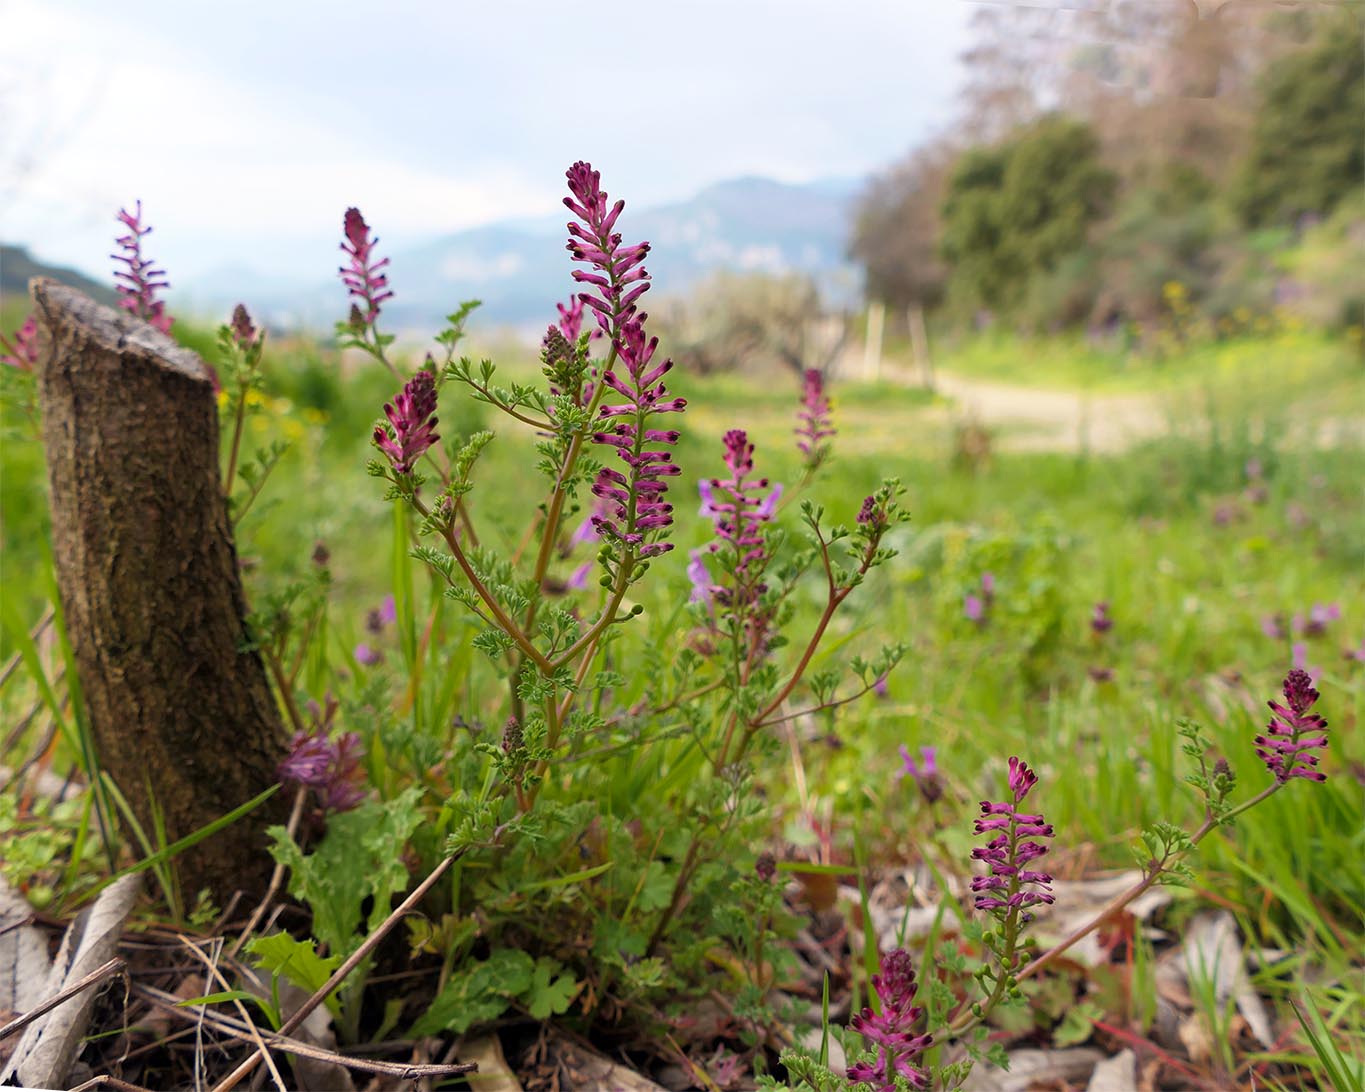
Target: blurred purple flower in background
x=362 y=276
x=328 y=765
x=1299 y=660
x=22 y=352
x=139 y=283
x=813 y=428
x=925 y=772
x=1100 y=622
x=578 y=579
x=1318 y=618
x=702 y=589
x=367 y=656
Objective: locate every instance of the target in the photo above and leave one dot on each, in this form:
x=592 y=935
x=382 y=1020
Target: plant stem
x=236 y=444
x=500 y=616
x=1152 y=874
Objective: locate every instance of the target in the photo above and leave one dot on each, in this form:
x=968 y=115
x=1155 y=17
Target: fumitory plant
x=605 y=757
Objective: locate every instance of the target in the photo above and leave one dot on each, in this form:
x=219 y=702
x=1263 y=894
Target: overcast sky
x=247 y=127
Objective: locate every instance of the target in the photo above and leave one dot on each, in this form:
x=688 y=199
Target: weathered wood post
x=147 y=572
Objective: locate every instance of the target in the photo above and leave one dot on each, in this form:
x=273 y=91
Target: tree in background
x=1015 y=210
x=1308 y=145
x=896 y=231
x=759 y=320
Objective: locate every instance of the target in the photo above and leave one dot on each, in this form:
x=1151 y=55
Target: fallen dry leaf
x=494 y=1074
x=1029 y=1068
x=24 y=963
x=1116 y=1074
x=49 y=1046
x=1212 y=951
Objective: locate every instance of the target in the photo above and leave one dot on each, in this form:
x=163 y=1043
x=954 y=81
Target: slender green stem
x=1150 y=877
x=236 y=444
x=500 y=616
x=605 y=619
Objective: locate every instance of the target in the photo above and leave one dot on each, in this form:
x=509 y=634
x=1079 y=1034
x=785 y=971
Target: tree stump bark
x=182 y=717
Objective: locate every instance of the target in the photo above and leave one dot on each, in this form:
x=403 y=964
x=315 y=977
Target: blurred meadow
x=1114 y=354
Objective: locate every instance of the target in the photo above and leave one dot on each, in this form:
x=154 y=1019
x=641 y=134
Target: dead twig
x=94 y=978
x=212 y=965
x=106 y=1081
x=228 y=1026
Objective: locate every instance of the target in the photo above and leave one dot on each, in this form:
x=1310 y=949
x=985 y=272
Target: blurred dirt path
x=1033 y=419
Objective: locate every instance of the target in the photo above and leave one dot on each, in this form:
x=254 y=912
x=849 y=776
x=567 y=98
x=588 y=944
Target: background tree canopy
x=1015 y=210
x=1112 y=169
x=1307 y=150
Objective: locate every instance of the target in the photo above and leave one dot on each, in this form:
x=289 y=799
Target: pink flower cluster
x=412 y=423
x=891 y=1031
x=1294 y=733
x=618 y=274
x=741 y=508
x=1005 y=888
x=330 y=766
x=22 y=352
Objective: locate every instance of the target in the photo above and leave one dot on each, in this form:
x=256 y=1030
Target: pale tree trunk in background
x=147 y=572
x=919 y=346
x=872 y=347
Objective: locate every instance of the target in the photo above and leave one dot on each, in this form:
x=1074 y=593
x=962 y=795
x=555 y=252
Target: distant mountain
x=17 y=266
x=520 y=269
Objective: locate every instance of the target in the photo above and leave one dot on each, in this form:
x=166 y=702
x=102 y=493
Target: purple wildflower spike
x=1293 y=734
x=22 y=352
x=891 y=1032
x=413 y=426
x=362 y=277
x=813 y=427
x=637 y=513
x=139 y=283
x=618 y=274
x=741 y=508
x=1005 y=889
x=244 y=331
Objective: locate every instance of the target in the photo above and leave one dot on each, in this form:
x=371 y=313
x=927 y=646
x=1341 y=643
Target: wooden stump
x=147 y=571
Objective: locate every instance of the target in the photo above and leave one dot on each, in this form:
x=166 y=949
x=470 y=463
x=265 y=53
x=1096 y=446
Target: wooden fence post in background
x=182 y=718
x=872 y=347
